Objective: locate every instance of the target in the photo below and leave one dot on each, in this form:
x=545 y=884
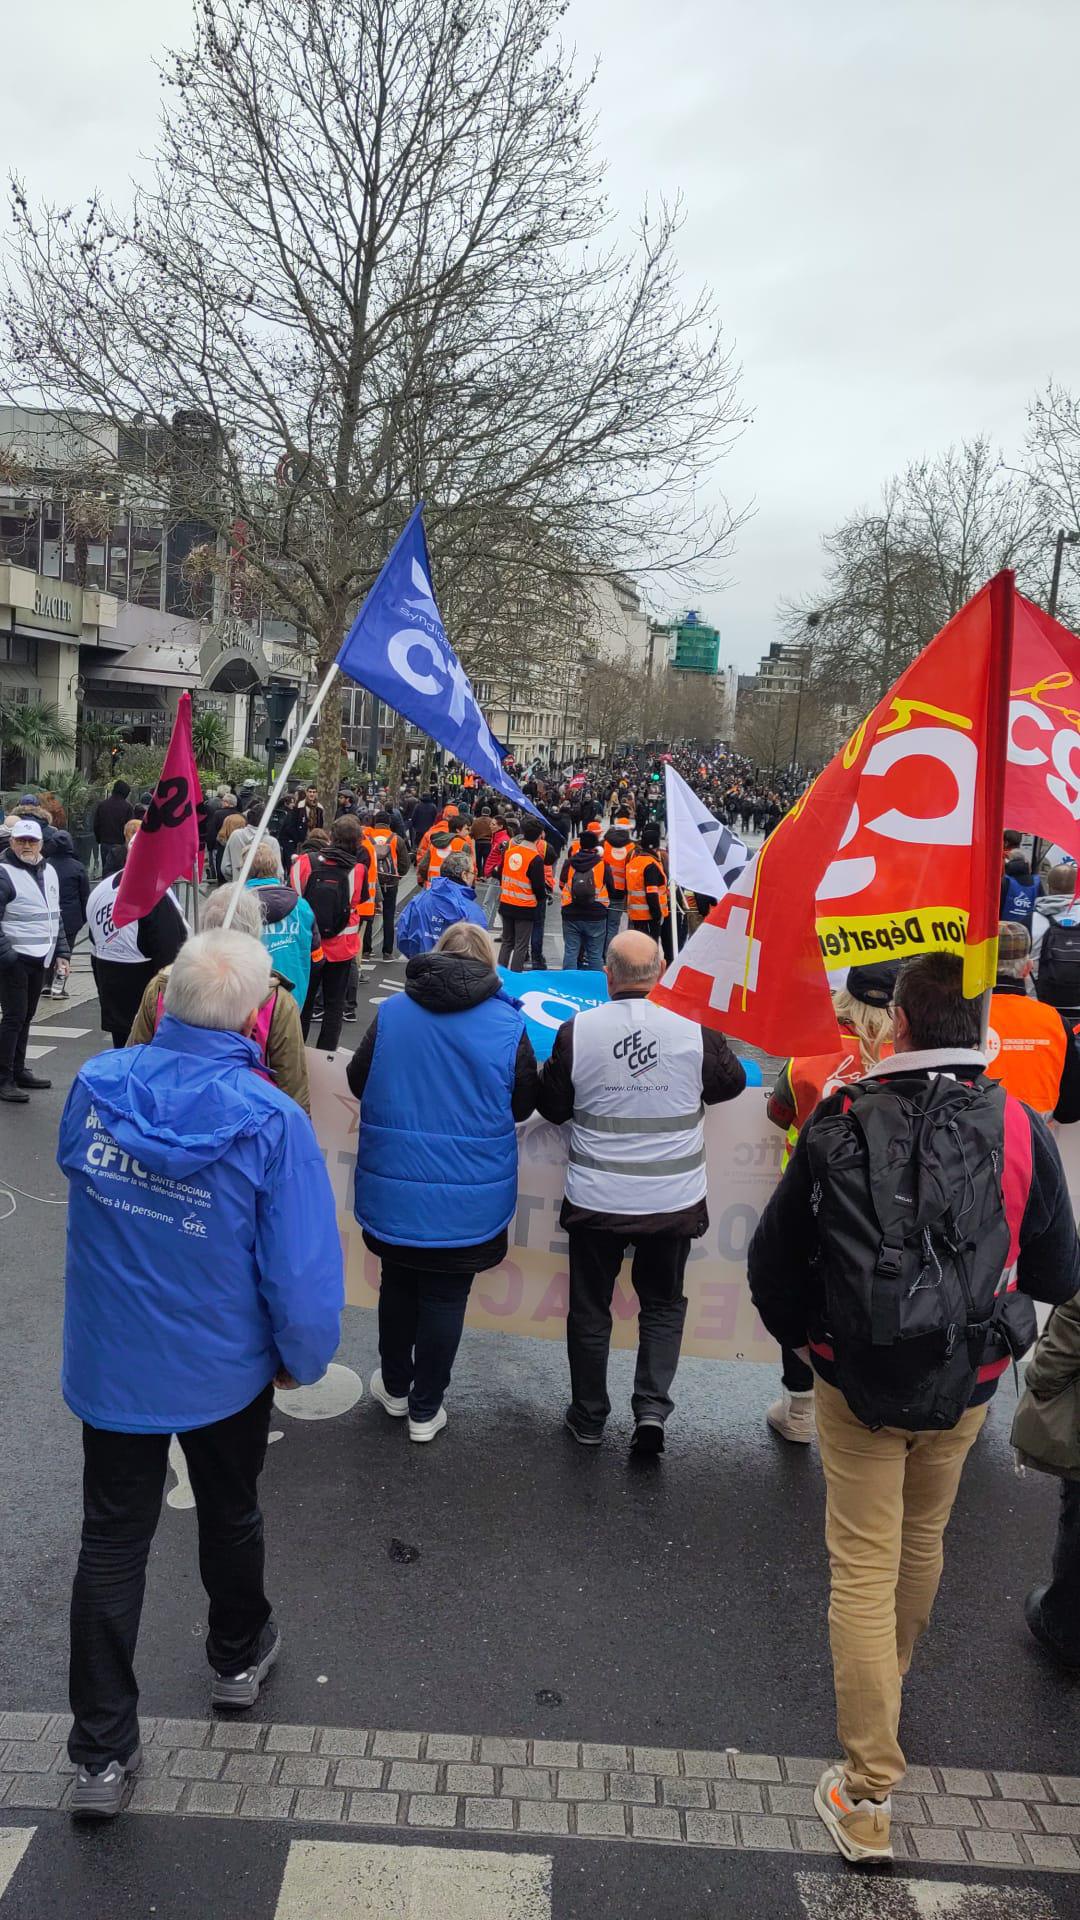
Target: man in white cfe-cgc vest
x=31 y=935
x=633 y=1080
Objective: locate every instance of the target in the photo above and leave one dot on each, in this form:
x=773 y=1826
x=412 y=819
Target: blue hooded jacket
x=288 y=933
x=202 y=1246
x=428 y=914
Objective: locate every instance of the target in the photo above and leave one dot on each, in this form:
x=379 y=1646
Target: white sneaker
x=792 y=1417
x=58 y=991
x=424 y=1430
x=396 y=1408
x=861 y=1829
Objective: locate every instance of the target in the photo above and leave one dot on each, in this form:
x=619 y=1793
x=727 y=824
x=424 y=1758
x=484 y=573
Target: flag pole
x=278 y=788
x=1002 y=606
x=195 y=894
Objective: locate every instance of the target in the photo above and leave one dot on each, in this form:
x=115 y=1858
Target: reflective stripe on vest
x=32 y=918
x=637 y=1135
x=599 y=875
x=516 y=888
x=637 y=900
x=1026 y=1049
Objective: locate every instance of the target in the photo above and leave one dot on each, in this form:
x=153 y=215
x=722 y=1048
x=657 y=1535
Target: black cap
x=874 y=985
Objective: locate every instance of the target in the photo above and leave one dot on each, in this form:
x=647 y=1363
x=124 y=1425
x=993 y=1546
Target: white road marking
x=181 y=1495
x=336 y=1393
x=832 y=1897
x=53 y=1032
x=13 y=1844
x=353 y=1881
x=38 y=1053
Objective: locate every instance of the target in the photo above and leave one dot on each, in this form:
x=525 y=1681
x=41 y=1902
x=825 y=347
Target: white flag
x=703 y=854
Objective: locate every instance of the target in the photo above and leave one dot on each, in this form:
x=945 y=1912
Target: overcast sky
x=881 y=193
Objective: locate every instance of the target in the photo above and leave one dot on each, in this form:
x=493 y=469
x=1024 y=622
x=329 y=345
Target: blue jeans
x=615 y=912
x=421 y=1314
x=583 y=944
x=536 y=944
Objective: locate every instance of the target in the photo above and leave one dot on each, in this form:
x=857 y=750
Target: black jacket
x=722 y=1077
x=786 y=1284
x=424 y=815
x=74 y=883
x=110 y=818
x=159 y=935
x=446 y=983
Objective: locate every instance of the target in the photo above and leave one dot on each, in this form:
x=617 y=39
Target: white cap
x=26 y=830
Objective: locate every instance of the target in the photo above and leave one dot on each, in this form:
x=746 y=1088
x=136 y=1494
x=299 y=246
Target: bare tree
x=1053 y=468
x=375 y=255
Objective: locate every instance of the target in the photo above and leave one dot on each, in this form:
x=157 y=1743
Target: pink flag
x=166 y=847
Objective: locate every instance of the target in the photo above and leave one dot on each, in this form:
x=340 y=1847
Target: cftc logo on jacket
x=638 y=1052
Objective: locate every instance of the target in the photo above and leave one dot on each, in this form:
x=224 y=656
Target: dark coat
x=74 y=883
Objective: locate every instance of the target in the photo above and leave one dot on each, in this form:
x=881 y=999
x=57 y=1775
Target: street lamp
x=812 y=620
x=1064 y=539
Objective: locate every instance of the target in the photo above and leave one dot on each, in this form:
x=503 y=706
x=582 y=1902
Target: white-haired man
x=203 y=1265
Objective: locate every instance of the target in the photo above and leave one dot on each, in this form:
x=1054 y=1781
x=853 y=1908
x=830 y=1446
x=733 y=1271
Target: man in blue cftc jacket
x=203 y=1266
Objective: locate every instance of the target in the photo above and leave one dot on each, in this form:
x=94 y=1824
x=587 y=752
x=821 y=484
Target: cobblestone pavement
x=483 y=1784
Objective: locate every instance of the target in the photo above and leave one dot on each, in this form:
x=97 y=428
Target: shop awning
x=152 y=663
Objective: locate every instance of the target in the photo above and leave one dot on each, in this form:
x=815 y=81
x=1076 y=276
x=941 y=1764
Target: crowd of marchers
x=922 y=1213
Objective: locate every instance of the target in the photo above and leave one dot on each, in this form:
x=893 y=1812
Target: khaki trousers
x=889 y=1497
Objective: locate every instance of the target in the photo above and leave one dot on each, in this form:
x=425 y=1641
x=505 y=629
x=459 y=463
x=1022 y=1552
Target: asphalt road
x=547 y=1591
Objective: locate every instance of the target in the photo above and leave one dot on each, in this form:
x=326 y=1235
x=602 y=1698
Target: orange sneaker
x=861 y=1829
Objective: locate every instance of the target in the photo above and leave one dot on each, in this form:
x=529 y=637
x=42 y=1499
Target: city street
x=603 y=1689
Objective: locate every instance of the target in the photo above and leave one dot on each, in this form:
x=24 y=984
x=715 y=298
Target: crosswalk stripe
x=353 y=1881
x=38 y=1053
x=13 y=1844
x=825 y=1897
x=54 y=1032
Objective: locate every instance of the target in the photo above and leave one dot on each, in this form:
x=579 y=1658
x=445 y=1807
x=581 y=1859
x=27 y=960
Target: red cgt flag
x=1042 y=775
x=166 y=847
x=894 y=850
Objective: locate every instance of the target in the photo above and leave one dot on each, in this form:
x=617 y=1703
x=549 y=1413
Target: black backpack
x=1059 y=964
x=582 y=887
x=912 y=1245
x=329 y=895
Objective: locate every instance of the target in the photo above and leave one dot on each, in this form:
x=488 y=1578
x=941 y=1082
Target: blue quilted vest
x=437 y=1160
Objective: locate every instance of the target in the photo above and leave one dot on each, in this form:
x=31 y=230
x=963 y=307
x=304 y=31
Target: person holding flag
x=125 y=958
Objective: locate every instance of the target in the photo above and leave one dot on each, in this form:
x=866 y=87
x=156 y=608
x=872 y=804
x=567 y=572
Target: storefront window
x=146 y=556
x=84 y=561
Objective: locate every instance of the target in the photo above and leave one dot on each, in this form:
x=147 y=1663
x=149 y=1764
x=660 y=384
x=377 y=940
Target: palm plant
x=209 y=736
x=101 y=738
x=27 y=732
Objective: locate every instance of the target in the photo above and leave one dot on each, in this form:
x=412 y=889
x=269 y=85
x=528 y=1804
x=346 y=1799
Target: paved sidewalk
x=481 y=1784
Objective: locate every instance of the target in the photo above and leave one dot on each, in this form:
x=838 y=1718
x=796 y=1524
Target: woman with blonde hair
x=863 y=1010
x=443 y=1075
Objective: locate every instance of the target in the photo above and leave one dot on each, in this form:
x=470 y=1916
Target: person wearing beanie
x=863 y=1011
x=110 y=818
x=32 y=936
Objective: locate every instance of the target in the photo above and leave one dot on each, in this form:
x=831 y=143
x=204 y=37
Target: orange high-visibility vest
x=616 y=859
x=637 y=900
x=516 y=888
x=439 y=849
x=599 y=878
x=1026 y=1047
x=383 y=842
x=813 y=1076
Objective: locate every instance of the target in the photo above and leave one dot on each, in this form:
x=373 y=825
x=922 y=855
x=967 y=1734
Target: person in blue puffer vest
x=443 y=1074
x=450 y=898
x=203 y=1265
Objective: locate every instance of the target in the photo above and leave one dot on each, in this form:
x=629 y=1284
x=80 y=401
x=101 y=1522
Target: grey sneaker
x=239 y=1690
x=100 y=1795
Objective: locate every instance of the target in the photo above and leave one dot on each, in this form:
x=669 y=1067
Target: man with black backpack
x=922 y=1212
x=583 y=878
x=338 y=884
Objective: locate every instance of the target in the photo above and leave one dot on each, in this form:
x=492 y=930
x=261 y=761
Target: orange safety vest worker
x=450 y=816
x=439 y=847
x=1026 y=1045
x=383 y=841
x=637 y=893
x=599 y=874
x=615 y=859
x=807 y=1080
x=517 y=888
x=591 y=826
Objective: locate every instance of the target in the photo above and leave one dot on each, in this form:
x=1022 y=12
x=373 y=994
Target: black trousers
x=20 y=991
x=516 y=935
x=1061 y=1601
x=797 y=1376
x=123 y=1483
x=536 y=938
x=335 y=980
x=313 y=992
x=421 y=1314
x=658 y=1269
x=389 y=909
